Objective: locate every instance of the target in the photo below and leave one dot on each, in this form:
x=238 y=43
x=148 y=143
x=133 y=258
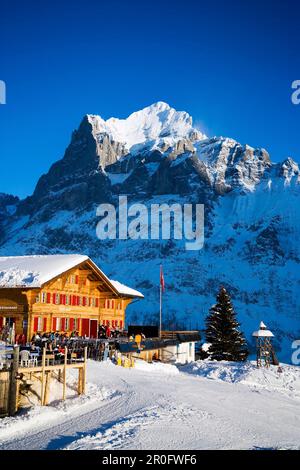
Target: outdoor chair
x=49 y=357
x=33 y=360
x=25 y=357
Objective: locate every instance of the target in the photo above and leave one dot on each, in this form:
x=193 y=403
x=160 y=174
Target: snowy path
x=158 y=407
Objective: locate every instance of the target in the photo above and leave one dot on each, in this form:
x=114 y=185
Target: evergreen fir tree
x=222 y=331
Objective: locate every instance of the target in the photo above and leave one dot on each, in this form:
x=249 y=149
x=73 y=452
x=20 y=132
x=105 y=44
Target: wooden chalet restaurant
x=65 y=293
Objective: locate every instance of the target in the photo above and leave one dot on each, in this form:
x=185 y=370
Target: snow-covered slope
x=252 y=223
x=201 y=406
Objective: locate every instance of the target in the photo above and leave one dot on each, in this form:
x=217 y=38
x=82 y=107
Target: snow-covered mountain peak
x=154 y=126
x=290 y=171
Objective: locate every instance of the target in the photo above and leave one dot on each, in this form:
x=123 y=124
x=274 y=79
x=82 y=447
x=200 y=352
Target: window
x=67 y=324
x=44 y=297
x=58 y=324
x=57 y=299
x=40 y=324
x=67 y=299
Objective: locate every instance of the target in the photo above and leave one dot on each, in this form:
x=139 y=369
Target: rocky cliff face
x=252 y=224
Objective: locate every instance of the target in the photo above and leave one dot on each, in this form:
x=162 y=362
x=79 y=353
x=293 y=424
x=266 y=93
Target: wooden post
x=84 y=370
x=79 y=386
x=13 y=389
x=47 y=386
x=65 y=374
x=43 y=376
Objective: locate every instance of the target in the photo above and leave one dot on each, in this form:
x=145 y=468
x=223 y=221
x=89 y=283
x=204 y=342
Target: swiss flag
x=162 y=280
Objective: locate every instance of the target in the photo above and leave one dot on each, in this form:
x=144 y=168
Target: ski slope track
x=200 y=406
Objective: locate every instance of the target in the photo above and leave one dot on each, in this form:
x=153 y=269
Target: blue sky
x=229 y=64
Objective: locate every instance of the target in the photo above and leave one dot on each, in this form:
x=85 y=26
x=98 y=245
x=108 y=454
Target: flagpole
x=160 y=308
x=161 y=290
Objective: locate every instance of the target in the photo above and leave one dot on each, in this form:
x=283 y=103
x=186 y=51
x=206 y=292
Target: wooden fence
x=14 y=374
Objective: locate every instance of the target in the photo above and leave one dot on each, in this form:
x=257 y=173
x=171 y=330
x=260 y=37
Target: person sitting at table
x=33 y=347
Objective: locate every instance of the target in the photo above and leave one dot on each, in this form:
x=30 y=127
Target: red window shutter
x=113 y=323
x=121 y=323
x=78 y=300
x=48 y=298
x=76 y=279
x=44 y=325
x=112 y=304
x=83 y=301
x=71 y=324
x=63 y=324
x=53 y=298
x=97 y=302
x=116 y=323
x=35 y=324
x=54 y=324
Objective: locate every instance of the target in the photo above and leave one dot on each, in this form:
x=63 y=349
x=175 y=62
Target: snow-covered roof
x=125 y=290
x=263 y=332
x=34 y=271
